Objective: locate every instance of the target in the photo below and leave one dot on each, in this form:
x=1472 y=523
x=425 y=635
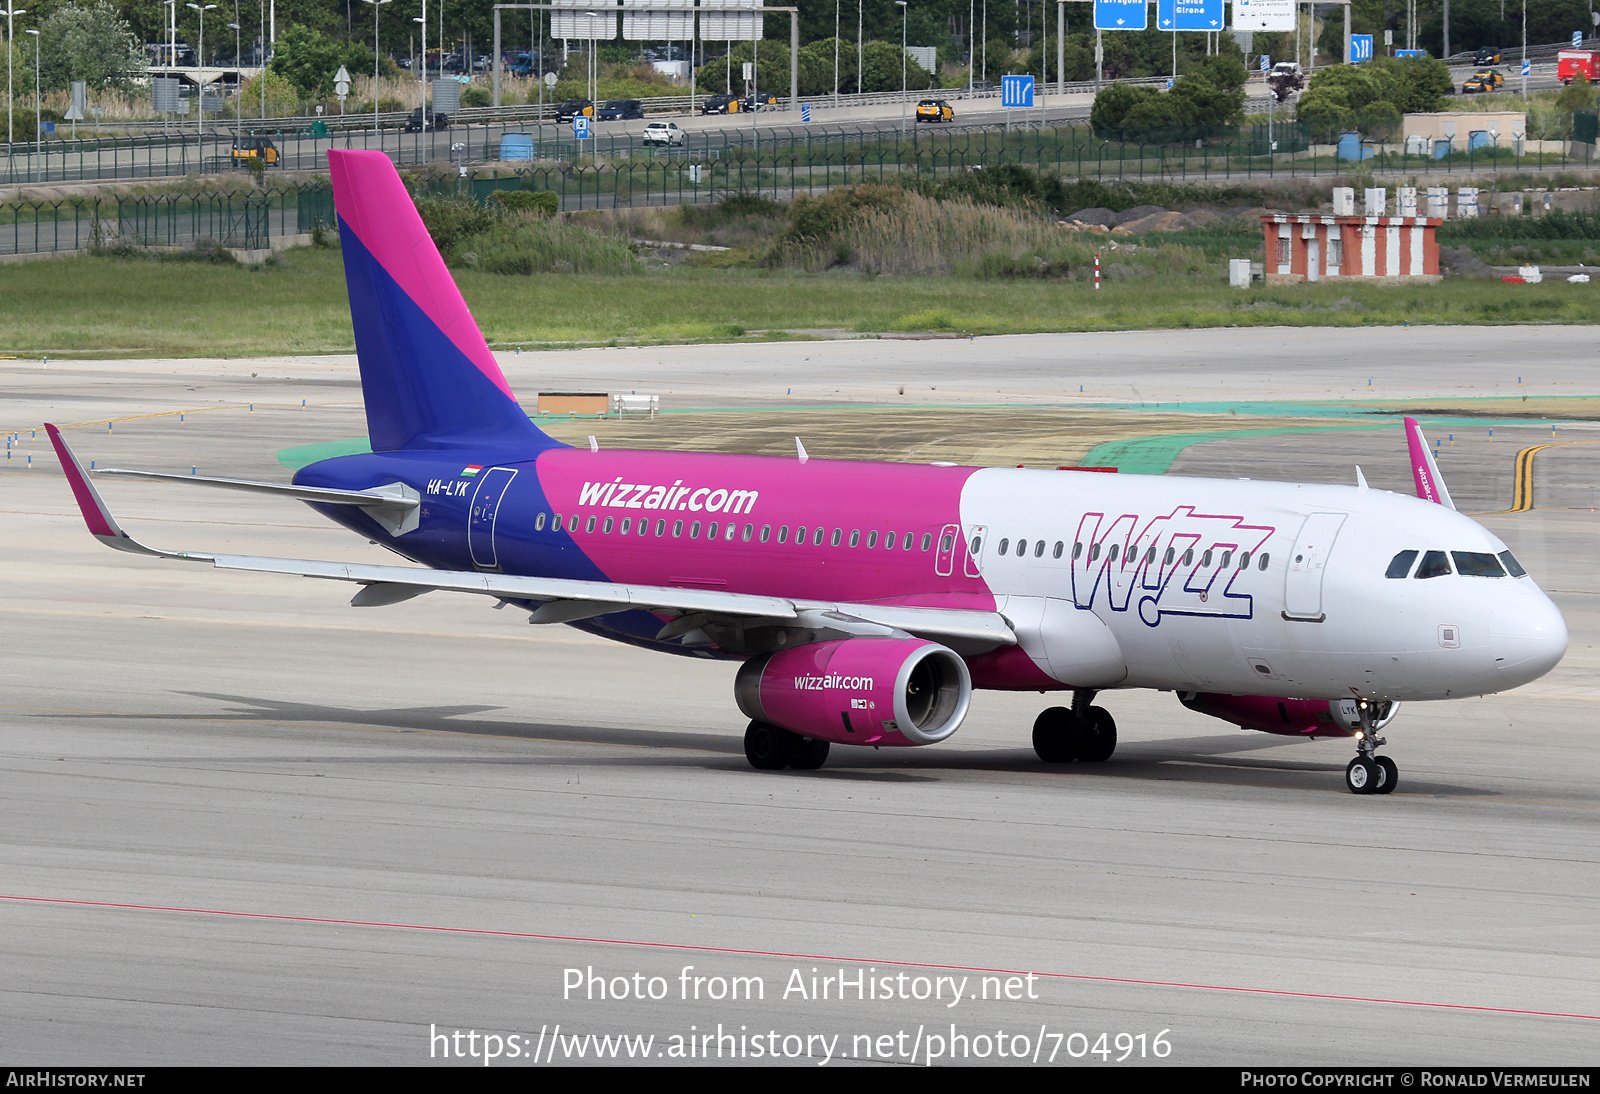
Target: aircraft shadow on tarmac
x=1222 y=760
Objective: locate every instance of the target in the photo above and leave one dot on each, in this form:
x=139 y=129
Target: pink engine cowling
x=859 y=691
x=1290 y=717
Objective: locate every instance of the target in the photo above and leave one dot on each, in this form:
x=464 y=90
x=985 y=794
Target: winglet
x=1430 y=484
x=102 y=525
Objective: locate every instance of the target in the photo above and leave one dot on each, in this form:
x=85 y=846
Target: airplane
x=866 y=601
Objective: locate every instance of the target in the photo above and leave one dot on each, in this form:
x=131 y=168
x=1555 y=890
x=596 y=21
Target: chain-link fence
x=616 y=170
x=1256 y=150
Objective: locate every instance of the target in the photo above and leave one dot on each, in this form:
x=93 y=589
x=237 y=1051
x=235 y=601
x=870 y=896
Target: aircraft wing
x=562 y=600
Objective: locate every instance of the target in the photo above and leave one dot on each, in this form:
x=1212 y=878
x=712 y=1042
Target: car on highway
x=1479 y=82
x=759 y=102
x=665 y=134
x=934 y=110
x=416 y=122
x=613 y=110
x=246 y=149
x=572 y=108
x=1487 y=55
x=721 y=104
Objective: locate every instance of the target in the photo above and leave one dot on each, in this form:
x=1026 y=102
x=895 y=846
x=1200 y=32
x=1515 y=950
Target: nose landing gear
x=1370 y=773
x=1084 y=732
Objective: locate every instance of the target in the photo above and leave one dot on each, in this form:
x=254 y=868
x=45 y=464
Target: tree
x=88 y=42
x=1209 y=96
x=308 y=59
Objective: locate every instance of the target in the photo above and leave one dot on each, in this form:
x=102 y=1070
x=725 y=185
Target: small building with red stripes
x=1314 y=247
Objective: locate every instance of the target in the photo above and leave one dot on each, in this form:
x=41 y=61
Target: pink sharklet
x=1424 y=471
x=384 y=219
x=89 y=503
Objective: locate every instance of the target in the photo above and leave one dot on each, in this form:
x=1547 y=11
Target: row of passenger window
x=1206 y=557
x=730 y=530
x=1467 y=563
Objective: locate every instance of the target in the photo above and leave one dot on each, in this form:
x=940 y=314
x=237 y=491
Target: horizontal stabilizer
x=394 y=505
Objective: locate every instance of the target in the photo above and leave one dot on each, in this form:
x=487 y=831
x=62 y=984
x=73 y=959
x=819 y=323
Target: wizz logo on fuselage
x=1185 y=563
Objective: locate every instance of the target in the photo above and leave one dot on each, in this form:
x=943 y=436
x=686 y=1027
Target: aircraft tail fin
x=1424 y=470
x=427 y=375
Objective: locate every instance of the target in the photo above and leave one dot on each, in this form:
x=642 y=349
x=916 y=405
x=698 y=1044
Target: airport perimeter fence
x=776 y=163
x=1247 y=152
x=245 y=221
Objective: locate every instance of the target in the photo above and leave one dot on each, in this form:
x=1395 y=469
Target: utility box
x=1239 y=273
x=1405 y=201
x=1439 y=202
x=1467 y=201
x=1376 y=200
x=1344 y=201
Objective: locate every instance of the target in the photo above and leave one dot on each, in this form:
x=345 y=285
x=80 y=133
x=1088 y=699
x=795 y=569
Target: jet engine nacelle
x=859 y=691
x=1290 y=717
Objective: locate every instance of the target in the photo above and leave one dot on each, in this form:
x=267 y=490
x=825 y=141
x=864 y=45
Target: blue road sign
x=1577 y=39
x=1189 y=15
x=1121 y=15
x=1360 y=48
x=805 y=112
x=580 y=127
x=1016 y=91
x=1266 y=63
x=1404 y=53
x=1527 y=66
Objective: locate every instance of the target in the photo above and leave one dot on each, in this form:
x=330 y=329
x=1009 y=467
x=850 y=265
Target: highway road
x=244 y=823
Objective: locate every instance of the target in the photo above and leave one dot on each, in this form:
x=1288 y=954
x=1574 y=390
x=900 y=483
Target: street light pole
x=11 y=13
x=905 y=13
x=200 y=87
x=38 y=126
x=424 y=22
x=376 y=4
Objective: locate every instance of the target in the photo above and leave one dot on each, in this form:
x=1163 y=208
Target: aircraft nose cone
x=1529 y=640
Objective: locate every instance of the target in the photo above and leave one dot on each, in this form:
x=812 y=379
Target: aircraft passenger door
x=481 y=516
x=1302 y=590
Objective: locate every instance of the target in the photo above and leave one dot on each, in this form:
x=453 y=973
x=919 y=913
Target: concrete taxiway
x=242 y=822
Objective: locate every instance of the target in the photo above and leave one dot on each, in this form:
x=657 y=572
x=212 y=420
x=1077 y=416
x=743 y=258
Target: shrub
x=545 y=203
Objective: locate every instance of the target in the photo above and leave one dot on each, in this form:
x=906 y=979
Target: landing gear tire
x=1055 y=736
x=1362 y=776
x=769 y=748
x=809 y=755
x=1389 y=775
x=1097 y=736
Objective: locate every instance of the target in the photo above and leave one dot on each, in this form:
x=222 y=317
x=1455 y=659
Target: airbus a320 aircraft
x=867 y=601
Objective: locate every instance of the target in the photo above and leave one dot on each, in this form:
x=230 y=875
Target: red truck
x=1571 y=62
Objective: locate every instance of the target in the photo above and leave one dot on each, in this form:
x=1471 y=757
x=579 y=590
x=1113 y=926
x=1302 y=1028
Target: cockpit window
x=1400 y=565
x=1477 y=564
x=1512 y=566
x=1434 y=564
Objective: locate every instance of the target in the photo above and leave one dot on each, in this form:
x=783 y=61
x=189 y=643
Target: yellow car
x=1487 y=80
x=250 y=148
x=934 y=110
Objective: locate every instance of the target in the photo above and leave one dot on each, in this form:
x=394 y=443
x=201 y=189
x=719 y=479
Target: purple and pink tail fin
x=1430 y=484
x=426 y=372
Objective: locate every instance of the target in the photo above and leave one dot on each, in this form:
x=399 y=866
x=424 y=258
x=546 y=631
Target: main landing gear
x=769 y=748
x=1370 y=773
x=1084 y=732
